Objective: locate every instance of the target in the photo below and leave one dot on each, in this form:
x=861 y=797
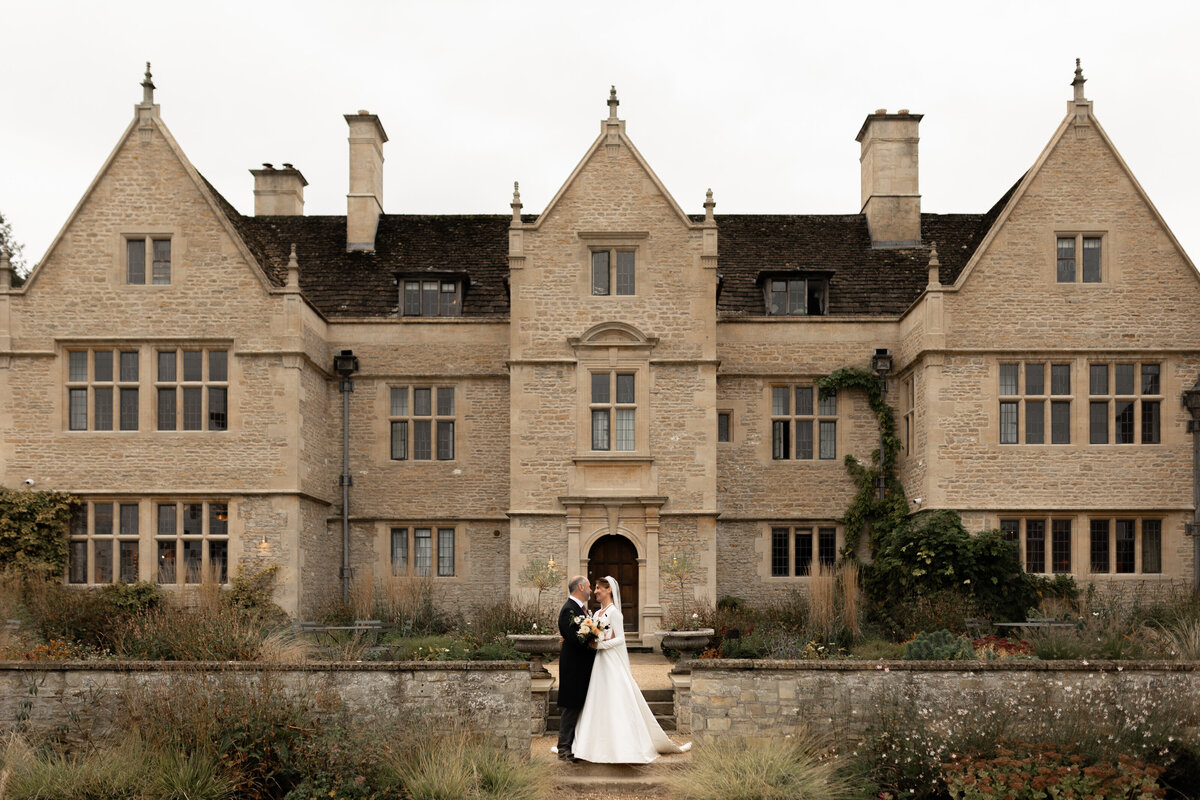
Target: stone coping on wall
x=999 y=665
x=261 y=666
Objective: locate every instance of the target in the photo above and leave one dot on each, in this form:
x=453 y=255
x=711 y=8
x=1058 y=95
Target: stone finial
x=148 y=88
x=516 y=202
x=709 y=205
x=613 y=102
x=5 y=269
x=293 y=269
x=1078 y=82
x=935 y=278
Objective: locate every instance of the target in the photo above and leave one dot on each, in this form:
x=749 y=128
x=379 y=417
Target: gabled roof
x=863 y=280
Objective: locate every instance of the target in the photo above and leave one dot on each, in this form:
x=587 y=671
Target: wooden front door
x=616 y=556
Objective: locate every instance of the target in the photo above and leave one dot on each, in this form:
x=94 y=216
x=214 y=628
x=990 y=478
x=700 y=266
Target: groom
x=574 y=664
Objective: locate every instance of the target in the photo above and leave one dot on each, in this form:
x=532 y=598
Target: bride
x=616 y=725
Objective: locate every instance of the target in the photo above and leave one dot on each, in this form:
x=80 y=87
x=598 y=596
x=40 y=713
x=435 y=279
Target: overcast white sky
x=758 y=100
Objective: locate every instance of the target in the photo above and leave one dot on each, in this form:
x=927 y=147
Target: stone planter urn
x=536 y=645
x=687 y=643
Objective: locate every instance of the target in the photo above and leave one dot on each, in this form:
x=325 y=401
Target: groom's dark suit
x=574 y=673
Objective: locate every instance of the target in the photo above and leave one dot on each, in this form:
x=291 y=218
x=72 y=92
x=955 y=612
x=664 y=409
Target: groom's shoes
x=568 y=756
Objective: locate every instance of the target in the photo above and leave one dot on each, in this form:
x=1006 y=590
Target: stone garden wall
x=773 y=698
x=86 y=700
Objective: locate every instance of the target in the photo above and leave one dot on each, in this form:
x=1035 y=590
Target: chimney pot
x=278 y=192
x=364 y=202
x=891 y=198
x=881 y=111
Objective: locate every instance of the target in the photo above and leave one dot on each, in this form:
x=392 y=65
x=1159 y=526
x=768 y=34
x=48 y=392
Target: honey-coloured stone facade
x=531 y=460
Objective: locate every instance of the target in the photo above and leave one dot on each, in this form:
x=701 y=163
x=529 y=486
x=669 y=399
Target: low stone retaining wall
x=72 y=698
x=772 y=698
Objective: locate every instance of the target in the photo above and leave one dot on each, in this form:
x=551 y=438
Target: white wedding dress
x=616 y=725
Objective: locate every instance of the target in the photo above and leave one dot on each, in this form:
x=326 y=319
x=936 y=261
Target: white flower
x=535 y=626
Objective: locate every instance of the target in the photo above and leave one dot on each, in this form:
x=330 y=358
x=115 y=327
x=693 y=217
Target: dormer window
x=797 y=296
x=431 y=297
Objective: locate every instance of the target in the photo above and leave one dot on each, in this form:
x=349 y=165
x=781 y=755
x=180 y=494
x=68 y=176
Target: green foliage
x=33 y=529
x=428 y=648
x=172 y=633
x=934 y=553
x=939 y=646
x=131 y=598
x=775 y=768
x=253 y=594
x=728 y=602
x=249 y=724
x=878 y=650
x=866 y=510
x=1024 y=771
x=495 y=651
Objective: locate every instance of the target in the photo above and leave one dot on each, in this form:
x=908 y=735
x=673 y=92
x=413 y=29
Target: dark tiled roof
x=863 y=280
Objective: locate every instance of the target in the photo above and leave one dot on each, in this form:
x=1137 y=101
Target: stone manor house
x=610 y=382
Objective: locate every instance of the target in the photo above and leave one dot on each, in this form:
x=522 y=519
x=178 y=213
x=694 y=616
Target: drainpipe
x=1191 y=401
x=345 y=364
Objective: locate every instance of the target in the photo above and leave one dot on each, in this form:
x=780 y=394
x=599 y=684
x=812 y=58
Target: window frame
x=444 y=553
x=116 y=530
x=153 y=271
x=613 y=409
x=1079 y=262
x=792 y=561
x=207 y=385
x=1143 y=535
x=616 y=277
x=1026 y=402
x=454 y=285
x=443 y=428
x=770 y=290
x=1110 y=400
x=789 y=422
x=724 y=426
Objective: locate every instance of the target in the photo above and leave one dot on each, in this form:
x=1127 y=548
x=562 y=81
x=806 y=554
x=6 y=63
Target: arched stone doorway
x=616 y=556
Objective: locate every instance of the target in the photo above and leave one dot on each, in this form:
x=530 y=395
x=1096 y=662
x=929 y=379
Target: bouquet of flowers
x=588 y=629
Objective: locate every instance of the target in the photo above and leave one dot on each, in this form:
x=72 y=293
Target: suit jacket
x=576 y=660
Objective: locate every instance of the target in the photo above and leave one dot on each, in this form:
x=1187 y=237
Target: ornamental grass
x=797 y=767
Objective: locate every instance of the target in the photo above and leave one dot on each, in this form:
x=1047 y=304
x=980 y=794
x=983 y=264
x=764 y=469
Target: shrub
x=992 y=647
x=934 y=553
x=878 y=650
x=778 y=768
x=171 y=633
x=493 y=621
x=33 y=529
x=908 y=739
x=495 y=651
x=430 y=648
x=252 y=595
x=1057 y=644
x=938 y=646
x=1023 y=771
x=248 y=723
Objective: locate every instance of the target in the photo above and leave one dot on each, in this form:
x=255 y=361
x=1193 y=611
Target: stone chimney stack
x=890 y=197
x=364 y=203
x=278 y=192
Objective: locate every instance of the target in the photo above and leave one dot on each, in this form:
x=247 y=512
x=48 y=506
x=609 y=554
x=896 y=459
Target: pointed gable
x=1079 y=195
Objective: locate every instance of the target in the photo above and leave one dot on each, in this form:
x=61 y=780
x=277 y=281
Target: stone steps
x=661 y=702
x=606 y=780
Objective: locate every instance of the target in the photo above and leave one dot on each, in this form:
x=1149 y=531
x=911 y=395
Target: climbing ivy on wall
x=33 y=529
x=866 y=509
